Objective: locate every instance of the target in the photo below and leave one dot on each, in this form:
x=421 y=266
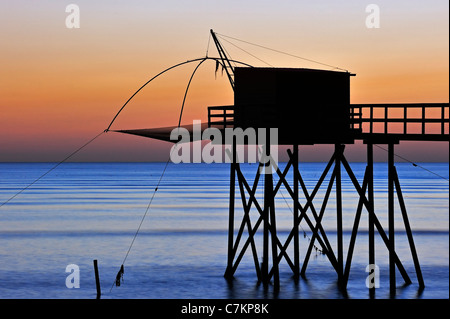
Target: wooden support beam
x=244 y=248
x=265 y=257
x=318 y=223
x=339 y=149
x=296 y=210
x=309 y=198
x=370 y=195
x=228 y=273
x=376 y=221
x=273 y=230
x=408 y=230
x=391 y=225
x=246 y=220
x=252 y=230
x=260 y=211
x=324 y=243
x=354 y=233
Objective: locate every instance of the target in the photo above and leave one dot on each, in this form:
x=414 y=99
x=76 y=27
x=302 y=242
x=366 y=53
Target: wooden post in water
x=97 y=280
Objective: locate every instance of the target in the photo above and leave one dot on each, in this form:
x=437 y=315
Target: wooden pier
x=372 y=126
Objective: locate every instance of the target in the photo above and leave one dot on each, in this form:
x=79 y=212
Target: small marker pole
x=97 y=279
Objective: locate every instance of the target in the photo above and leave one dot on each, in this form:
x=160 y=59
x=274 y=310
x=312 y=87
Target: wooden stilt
x=326 y=247
x=228 y=271
x=354 y=233
x=265 y=261
x=391 y=226
x=318 y=223
x=295 y=213
x=408 y=230
x=377 y=223
x=247 y=222
x=273 y=231
x=340 y=253
x=371 y=230
x=273 y=250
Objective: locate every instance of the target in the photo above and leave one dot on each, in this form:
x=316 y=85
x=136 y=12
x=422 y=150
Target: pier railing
x=418 y=121
x=221 y=116
x=401 y=121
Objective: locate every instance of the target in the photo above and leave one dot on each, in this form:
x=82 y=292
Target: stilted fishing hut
x=309 y=107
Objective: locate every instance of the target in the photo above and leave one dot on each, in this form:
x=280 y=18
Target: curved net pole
x=161 y=73
x=187 y=88
x=145 y=84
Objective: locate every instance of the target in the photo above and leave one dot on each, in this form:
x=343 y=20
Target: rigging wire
x=229 y=56
x=282 y=52
x=247 y=52
x=121 y=270
x=207 y=47
x=414 y=164
x=51 y=169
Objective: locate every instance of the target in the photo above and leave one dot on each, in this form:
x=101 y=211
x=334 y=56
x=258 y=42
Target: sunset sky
x=60 y=86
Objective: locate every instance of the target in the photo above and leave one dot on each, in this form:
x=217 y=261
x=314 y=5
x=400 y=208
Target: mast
x=225 y=61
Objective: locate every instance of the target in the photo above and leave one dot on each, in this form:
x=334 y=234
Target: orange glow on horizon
x=60 y=86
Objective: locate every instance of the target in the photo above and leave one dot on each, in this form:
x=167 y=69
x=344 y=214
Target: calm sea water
x=85 y=211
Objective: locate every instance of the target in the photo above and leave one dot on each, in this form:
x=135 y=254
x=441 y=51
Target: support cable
x=281 y=52
x=247 y=52
x=207 y=47
x=121 y=270
x=51 y=169
x=414 y=164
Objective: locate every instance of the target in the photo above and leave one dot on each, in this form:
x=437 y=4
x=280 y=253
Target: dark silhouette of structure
x=310 y=106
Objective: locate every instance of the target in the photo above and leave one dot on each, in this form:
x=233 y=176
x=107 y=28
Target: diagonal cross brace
x=377 y=223
x=252 y=231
